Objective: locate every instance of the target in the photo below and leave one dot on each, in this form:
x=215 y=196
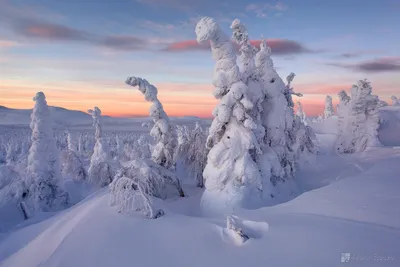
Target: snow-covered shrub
x=100 y=171
x=395 y=101
x=358 y=119
x=130 y=195
x=44 y=189
x=140 y=181
x=328 y=112
x=232 y=177
x=12 y=186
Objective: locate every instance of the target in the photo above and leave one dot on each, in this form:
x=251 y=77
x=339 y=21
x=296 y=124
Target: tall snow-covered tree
x=43 y=183
x=232 y=177
x=395 y=101
x=278 y=116
x=100 y=171
x=328 y=112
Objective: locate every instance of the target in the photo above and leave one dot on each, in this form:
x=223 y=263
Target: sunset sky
x=79 y=52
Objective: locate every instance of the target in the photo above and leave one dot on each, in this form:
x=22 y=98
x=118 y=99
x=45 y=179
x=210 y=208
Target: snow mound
x=239 y=231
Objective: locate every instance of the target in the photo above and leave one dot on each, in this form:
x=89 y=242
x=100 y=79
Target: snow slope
x=349 y=205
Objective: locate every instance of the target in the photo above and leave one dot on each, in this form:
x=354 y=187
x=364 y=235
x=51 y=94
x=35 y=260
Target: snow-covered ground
x=348 y=207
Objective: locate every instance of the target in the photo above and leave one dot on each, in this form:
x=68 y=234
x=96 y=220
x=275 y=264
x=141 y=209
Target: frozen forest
x=262 y=173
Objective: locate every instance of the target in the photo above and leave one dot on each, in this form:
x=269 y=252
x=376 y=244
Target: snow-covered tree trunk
x=232 y=177
x=43 y=170
x=395 y=101
x=328 y=112
x=100 y=170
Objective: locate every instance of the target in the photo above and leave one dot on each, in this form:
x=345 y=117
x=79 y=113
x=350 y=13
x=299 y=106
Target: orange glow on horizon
x=119 y=100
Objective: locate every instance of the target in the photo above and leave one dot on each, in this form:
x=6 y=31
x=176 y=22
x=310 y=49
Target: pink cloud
x=278 y=46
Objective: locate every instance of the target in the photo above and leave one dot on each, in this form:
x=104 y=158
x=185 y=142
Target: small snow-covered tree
x=328 y=112
x=43 y=171
x=232 y=177
x=100 y=171
x=301 y=113
x=191 y=152
x=343 y=111
x=158 y=172
x=72 y=166
x=163 y=152
x=72 y=144
x=360 y=129
x=395 y=101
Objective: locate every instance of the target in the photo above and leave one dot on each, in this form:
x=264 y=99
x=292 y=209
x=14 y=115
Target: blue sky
x=90 y=46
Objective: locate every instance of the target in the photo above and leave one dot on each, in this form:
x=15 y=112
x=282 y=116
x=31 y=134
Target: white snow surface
x=343 y=204
x=349 y=204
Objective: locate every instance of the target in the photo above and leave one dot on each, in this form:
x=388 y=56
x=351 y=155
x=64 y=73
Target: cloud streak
x=262 y=10
x=278 y=46
x=386 y=64
x=45 y=31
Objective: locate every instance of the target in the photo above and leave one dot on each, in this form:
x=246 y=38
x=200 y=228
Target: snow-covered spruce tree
x=360 y=129
x=164 y=150
x=100 y=171
x=232 y=177
x=344 y=123
x=343 y=111
x=192 y=153
x=141 y=181
x=301 y=113
x=328 y=112
x=277 y=117
x=363 y=96
x=44 y=190
x=395 y=101
x=250 y=77
x=72 y=166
